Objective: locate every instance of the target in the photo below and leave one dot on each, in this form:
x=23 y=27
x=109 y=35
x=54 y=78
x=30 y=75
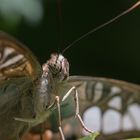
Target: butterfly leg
x=59 y=117
x=77 y=114
x=25 y=120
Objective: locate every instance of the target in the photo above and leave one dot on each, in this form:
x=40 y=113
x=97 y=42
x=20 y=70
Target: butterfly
x=28 y=91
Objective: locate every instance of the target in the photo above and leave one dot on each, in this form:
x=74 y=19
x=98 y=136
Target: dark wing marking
x=16 y=60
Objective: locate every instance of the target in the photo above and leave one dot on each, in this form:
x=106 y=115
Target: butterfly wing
x=109 y=106
x=19 y=70
x=16 y=60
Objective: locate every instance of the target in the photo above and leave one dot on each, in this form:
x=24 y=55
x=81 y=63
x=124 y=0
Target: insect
x=26 y=95
x=29 y=95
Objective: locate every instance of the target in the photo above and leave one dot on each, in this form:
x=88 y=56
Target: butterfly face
x=55 y=71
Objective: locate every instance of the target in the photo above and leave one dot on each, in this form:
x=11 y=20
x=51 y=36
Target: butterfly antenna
x=102 y=25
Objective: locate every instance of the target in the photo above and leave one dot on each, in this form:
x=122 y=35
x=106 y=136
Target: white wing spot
x=127 y=123
x=115 y=102
x=6 y=52
x=92 y=119
x=98 y=91
x=134 y=110
x=11 y=61
x=111 y=122
x=115 y=90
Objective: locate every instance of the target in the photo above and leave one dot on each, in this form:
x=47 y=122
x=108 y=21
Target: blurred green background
x=47 y=26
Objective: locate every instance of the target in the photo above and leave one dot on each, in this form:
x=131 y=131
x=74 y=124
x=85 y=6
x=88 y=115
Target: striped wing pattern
x=16 y=60
x=109 y=106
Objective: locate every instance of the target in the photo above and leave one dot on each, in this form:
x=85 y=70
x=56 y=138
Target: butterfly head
x=55 y=71
x=57 y=67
